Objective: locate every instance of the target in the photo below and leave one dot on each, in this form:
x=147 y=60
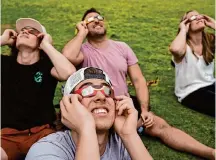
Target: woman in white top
x=193 y=53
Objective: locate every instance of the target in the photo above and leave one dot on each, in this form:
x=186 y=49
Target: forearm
x=135 y=147
x=87 y=147
x=142 y=94
x=214 y=25
x=2 y=41
x=63 y=67
x=178 y=45
x=72 y=48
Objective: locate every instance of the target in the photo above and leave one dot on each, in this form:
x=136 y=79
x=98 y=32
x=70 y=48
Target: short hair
x=89 y=11
x=92 y=70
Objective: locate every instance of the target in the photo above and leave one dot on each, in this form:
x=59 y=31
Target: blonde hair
x=208 y=40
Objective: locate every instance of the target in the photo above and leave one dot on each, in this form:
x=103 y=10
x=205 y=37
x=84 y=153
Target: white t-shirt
x=191 y=74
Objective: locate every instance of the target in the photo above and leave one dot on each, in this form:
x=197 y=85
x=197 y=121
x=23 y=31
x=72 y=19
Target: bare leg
x=3 y=154
x=178 y=139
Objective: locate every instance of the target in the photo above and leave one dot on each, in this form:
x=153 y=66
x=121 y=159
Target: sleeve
x=126 y=155
x=130 y=55
x=47 y=63
x=53 y=147
x=84 y=50
x=46 y=151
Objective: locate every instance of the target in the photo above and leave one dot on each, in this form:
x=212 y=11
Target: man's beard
x=95 y=35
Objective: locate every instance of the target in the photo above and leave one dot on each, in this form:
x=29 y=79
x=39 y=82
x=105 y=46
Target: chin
x=201 y=28
x=103 y=125
x=97 y=33
x=25 y=44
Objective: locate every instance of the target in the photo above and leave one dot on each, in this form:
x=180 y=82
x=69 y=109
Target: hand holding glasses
x=91 y=19
x=195 y=17
x=31 y=30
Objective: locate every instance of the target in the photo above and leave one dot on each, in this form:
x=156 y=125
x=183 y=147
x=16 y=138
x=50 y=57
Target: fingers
x=122 y=108
x=124 y=102
x=66 y=101
x=10 y=33
x=81 y=24
x=149 y=123
x=120 y=103
x=206 y=17
x=125 y=108
x=63 y=108
x=41 y=35
x=187 y=25
x=45 y=38
x=64 y=115
x=84 y=24
x=121 y=97
x=185 y=21
x=13 y=34
x=72 y=100
x=148 y=119
x=76 y=98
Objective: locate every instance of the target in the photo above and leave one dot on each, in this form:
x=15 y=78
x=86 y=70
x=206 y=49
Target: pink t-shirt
x=114 y=60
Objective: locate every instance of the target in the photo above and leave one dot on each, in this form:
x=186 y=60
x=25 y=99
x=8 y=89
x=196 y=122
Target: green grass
x=148 y=27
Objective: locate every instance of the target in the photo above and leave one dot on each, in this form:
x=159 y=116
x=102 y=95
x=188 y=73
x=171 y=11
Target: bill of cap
x=78 y=77
x=29 y=22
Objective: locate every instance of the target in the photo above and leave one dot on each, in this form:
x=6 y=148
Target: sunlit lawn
x=147 y=27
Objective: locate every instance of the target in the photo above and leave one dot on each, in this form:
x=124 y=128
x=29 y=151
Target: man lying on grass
x=103 y=127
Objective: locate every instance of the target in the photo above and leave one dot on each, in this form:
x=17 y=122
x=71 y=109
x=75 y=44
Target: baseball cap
x=29 y=22
x=83 y=74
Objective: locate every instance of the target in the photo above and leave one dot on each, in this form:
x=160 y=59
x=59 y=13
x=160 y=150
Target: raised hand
x=148 y=119
x=45 y=39
x=184 y=25
x=126 y=116
x=8 y=37
x=74 y=115
x=82 y=28
x=209 y=22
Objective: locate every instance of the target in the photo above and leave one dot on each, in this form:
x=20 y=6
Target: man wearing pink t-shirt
x=118 y=60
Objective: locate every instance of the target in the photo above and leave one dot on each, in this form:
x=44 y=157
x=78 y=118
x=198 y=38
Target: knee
x=3 y=155
x=159 y=127
x=162 y=124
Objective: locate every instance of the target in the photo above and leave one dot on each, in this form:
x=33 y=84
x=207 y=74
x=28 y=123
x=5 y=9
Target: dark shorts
x=202 y=100
x=137 y=105
x=17 y=143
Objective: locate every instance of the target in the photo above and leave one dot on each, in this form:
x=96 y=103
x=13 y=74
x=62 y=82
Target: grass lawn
x=148 y=27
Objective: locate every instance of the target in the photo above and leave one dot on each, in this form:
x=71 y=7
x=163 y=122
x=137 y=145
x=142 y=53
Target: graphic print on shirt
x=38 y=77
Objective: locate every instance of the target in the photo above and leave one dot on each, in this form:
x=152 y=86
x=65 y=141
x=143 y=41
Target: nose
x=25 y=31
x=96 y=20
x=100 y=97
x=199 y=17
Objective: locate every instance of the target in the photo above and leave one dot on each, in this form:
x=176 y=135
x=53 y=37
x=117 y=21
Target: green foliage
x=148 y=27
